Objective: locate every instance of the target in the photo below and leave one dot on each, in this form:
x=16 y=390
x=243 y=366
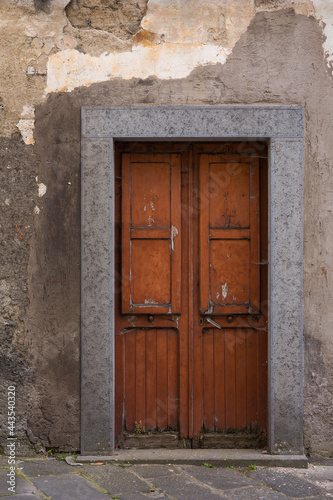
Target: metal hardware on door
x=151 y=319
x=230 y=319
x=209 y=320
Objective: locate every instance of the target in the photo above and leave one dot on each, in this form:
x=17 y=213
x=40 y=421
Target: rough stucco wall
x=267 y=55
x=17 y=181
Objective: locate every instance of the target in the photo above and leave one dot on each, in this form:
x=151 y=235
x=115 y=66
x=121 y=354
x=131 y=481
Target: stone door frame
x=282 y=128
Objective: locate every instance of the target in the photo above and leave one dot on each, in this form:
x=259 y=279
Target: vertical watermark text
x=11 y=439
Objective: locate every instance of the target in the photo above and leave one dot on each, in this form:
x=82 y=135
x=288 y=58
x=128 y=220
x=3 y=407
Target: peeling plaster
x=27 y=124
x=173 y=39
x=324 y=12
x=26 y=127
x=176 y=37
x=69 y=69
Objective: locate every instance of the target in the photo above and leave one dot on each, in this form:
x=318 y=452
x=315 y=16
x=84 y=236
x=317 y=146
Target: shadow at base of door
x=208 y=440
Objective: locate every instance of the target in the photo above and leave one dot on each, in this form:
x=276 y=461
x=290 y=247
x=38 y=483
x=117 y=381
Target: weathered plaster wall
x=161 y=52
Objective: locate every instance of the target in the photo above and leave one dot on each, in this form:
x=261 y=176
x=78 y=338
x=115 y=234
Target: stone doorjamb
x=282 y=127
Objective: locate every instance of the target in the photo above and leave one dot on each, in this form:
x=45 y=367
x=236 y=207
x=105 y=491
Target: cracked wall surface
x=57 y=56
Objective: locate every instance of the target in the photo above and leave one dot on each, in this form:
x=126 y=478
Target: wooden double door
x=191 y=292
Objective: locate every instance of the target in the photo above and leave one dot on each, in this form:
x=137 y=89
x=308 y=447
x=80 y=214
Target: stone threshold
x=218 y=458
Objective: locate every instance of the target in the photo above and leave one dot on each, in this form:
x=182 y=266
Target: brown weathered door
x=191 y=273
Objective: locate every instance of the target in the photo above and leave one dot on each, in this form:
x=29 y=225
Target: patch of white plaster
x=69 y=69
x=36 y=210
x=7 y=202
x=27 y=127
x=27 y=124
x=225 y=290
x=324 y=13
x=28 y=111
x=41 y=189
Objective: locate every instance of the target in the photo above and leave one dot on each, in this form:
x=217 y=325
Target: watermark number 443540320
x=11 y=444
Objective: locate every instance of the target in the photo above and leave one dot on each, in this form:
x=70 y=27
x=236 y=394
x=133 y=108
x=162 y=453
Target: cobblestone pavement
x=50 y=478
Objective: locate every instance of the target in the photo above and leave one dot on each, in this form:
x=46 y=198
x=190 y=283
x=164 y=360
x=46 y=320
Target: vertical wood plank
x=150 y=422
x=125 y=233
x=219 y=375
x=230 y=379
x=175 y=233
x=251 y=377
x=162 y=379
x=240 y=355
x=119 y=383
x=129 y=376
x=185 y=424
x=262 y=380
x=204 y=295
x=208 y=379
x=140 y=377
x=195 y=329
x=255 y=235
x=173 y=380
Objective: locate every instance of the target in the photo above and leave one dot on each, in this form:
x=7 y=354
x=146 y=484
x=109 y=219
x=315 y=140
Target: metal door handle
x=212 y=322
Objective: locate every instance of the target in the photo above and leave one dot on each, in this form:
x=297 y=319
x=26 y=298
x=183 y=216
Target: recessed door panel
x=151 y=228
x=229 y=234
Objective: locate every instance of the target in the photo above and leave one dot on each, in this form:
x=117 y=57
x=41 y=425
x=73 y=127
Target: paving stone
x=320 y=476
x=114 y=479
x=23 y=496
x=48 y=467
x=143 y=496
x=3 y=461
x=182 y=487
x=151 y=471
x=320 y=497
x=290 y=485
x=68 y=487
x=21 y=485
x=252 y=493
x=223 y=479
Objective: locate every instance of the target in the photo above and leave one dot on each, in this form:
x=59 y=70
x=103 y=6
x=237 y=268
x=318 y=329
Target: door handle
x=212 y=322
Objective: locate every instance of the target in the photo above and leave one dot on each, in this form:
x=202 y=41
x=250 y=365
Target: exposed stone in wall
x=122 y=18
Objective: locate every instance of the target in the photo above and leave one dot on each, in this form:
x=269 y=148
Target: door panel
x=229 y=234
x=151 y=234
x=151 y=366
x=191 y=267
x=230 y=377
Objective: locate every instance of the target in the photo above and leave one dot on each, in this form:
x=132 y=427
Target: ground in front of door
x=49 y=478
